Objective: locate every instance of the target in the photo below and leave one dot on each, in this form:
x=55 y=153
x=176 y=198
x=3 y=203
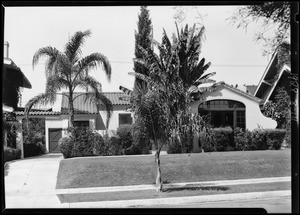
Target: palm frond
x=143 y=77
x=42 y=99
x=126 y=90
x=92 y=60
x=72 y=49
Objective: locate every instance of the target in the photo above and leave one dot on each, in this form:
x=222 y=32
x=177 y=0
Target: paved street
x=271 y=205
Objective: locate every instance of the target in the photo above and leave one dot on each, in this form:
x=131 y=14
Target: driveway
x=30 y=183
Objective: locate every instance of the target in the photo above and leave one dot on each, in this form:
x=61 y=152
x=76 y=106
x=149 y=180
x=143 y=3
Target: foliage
x=280 y=110
x=10 y=127
x=124 y=132
x=241 y=139
x=143 y=37
x=275 y=138
x=69 y=70
x=34 y=149
x=65 y=146
x=11 y=154
x=220 y=139
x=112 y=146
x=82 y=142
x=273 y=15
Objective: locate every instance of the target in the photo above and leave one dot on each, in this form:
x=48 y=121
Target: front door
x=54 y=135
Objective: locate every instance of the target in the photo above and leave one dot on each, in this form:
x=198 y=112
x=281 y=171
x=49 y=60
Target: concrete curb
x=180 y=200
x=153 y=187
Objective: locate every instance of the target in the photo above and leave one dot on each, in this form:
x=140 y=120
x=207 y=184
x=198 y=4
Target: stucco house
x=86 y=115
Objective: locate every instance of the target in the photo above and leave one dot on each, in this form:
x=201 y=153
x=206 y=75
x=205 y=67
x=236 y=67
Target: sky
x=235 y=56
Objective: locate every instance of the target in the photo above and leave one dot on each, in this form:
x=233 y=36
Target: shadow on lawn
x=195 y=188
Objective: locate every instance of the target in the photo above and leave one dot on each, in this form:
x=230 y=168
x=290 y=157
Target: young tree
x=274 y=15
x=69 y=70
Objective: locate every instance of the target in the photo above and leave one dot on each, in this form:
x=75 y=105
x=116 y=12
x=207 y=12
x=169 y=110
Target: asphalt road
x=271 y=205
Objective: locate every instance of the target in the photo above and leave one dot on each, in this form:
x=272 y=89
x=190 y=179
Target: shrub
x=206 y=143
x=132 y=145
x=126 y=140
x=11 y=154
x=65 y=146
x=241 y=139
x=34 y=149
x=174 y=147
x=257 y=140
x=275 y=138
x=82 y=142
x=85 y=142
x=223 y=139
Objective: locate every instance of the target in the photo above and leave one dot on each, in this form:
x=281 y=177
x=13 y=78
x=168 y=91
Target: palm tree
x=68 y=70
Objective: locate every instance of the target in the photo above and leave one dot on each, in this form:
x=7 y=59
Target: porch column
x=19 y=140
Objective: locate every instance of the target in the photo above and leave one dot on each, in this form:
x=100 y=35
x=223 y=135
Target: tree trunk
x=159 y=184
x=71 y=111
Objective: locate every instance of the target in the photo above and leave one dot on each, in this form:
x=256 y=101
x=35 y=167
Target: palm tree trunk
x=71 y=110
x=159 y=184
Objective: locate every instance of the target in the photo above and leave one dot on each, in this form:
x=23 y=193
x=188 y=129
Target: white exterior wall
x=253 y=116
x=114 y=120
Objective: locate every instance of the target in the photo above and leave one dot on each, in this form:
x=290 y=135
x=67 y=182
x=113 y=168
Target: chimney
x=6 y=50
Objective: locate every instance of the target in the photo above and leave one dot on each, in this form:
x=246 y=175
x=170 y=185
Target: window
x=83 y=124
x=125 y=118
x=224 y=113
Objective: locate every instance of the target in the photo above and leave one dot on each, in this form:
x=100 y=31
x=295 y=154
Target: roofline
x=242 y=93
x=283 y=68
x=266 y=71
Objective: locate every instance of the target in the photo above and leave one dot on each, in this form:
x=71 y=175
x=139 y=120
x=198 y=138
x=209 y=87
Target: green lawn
x=136 y=170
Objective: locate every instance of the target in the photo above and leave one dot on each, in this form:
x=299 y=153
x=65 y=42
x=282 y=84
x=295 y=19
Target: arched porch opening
x=224 y=113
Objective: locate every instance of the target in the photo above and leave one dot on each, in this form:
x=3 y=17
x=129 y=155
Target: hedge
x=224 y=139
x=11 y=154
x=34 y=149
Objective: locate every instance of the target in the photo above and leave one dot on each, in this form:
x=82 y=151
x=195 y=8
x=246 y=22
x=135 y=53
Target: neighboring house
x=86 y=115
x=13 y=79
x=273 y=78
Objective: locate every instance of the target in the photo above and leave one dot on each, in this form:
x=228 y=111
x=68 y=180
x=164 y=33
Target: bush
x=130 y=145
x=275 y=138
x=65 y=146
x=11 y=154
x=223 y=139
x=174 y=147
x=34 y=149
x=125 y=138
x=113 y=146
x=241 y=139
x=257 y=140
x=206 y=143
x=82 y=142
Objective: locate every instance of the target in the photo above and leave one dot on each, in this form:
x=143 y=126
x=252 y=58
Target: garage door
x=54 y=135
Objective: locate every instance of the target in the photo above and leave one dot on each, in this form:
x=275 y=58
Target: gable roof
x=271 y=76
x=236 y=90
x=83 y=107
x=10 y=66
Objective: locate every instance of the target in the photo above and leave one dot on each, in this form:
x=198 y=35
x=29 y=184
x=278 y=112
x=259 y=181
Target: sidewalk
x=30 y=183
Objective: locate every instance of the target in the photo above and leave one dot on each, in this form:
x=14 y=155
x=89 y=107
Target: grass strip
x=172 y=192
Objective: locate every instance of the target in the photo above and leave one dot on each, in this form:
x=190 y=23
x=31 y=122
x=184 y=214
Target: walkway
x=30 y=183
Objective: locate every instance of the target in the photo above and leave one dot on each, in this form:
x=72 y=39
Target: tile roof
x=38 y=113
x=82 y=107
